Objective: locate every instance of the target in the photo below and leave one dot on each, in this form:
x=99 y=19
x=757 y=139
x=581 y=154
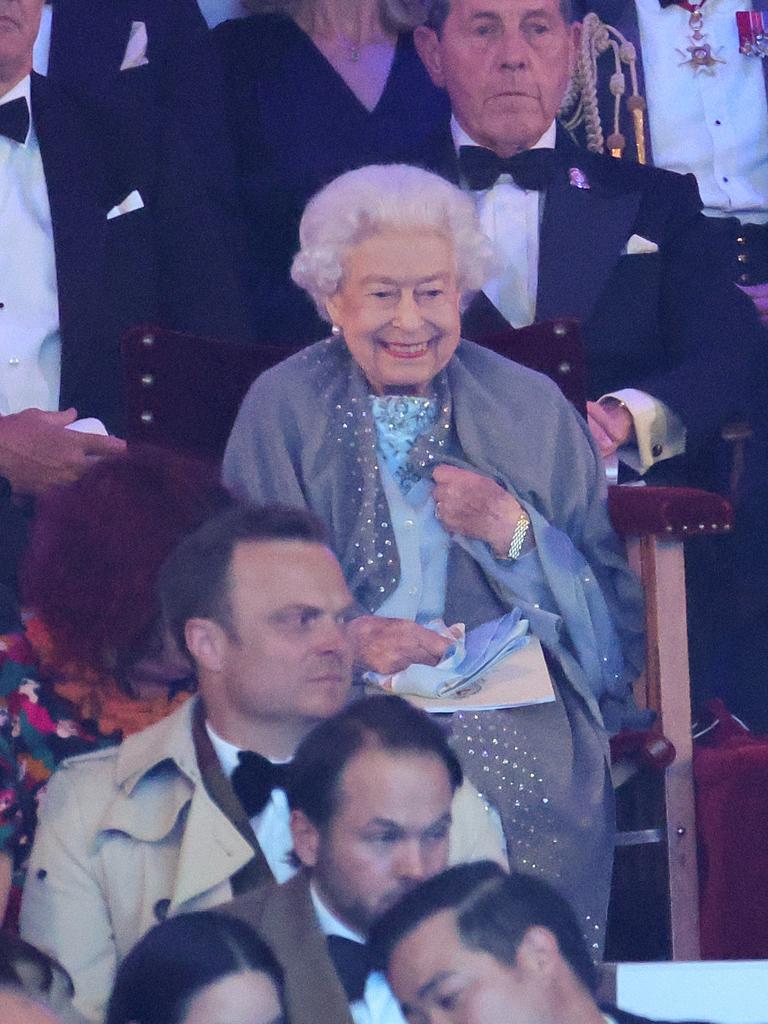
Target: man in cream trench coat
x=154 y=827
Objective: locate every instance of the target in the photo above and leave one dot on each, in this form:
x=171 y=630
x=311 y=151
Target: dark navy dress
x=296 y=125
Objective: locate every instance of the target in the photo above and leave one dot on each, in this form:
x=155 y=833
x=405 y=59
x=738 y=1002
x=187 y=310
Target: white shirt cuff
x=659 y=432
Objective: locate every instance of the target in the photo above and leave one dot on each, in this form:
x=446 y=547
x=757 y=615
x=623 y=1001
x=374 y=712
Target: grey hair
x=377 y=198
x=436 y=11
x=395 y=15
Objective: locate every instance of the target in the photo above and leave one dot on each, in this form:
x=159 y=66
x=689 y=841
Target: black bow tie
x=352 y=962
x=531 y=169
x=14 y=119
x=255 y=778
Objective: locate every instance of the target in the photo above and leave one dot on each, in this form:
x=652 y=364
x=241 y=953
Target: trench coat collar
x=160 y=790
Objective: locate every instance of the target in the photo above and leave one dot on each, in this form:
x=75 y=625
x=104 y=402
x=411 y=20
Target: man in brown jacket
x=372 y=798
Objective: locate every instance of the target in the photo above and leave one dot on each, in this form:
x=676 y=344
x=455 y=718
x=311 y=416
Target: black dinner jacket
x=167 y=263
x=182 y=81
x=669 y=322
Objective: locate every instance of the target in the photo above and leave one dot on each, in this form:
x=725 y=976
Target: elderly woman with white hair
x=456 y=485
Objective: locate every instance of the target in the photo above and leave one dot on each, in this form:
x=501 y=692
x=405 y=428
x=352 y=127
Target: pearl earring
x=336 y=330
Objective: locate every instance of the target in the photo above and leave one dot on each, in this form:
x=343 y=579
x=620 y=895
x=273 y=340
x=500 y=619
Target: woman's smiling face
x=398 y=308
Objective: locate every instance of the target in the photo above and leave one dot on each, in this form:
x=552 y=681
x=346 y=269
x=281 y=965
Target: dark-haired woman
x=198 y=968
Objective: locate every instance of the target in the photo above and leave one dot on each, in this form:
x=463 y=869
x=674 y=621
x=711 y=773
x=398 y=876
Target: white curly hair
x=391 y=197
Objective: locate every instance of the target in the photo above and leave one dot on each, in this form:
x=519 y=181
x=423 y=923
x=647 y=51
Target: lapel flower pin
x=577 y=178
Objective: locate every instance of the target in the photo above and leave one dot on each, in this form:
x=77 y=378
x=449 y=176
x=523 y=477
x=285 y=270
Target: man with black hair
x=475 y=945
x=193 y=810
x=373 y=793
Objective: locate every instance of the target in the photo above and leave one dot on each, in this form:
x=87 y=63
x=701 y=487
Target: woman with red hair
x=93 y=664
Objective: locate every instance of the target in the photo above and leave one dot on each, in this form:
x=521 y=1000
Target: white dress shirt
x=272 y=826
x=511 y=218
x=30 y=344
x=715 y=126
x=41 y=51
x=378 y=1005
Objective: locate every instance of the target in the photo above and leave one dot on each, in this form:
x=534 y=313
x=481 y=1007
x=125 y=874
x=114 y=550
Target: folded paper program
x=471 y=656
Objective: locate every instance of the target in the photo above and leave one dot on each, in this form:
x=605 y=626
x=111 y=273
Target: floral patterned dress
x=46 y=715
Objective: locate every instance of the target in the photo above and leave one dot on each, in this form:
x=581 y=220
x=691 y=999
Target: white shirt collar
x=22 y=90
x=329 y=923
x=461 y=138
x=228 y=753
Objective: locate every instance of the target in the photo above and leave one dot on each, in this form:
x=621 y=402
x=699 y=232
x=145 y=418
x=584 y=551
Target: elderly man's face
x=505 y=65
x=19 y=22
x=439 y=980
x=398 y=308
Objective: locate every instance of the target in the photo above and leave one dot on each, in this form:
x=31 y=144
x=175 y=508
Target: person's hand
x=475 y=506
x=611 y=426
x=37 y=451
x=390 y=645
x=759 y=295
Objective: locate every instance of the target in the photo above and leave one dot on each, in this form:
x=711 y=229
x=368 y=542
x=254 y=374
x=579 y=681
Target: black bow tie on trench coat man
x=531 y=169
x=254 y=779
x=14 y=119
x=352 y=962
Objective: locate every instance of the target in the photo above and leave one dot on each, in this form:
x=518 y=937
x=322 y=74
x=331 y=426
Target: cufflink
x=656 y=450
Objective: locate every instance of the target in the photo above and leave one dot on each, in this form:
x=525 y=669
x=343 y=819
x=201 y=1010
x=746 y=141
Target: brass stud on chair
x=564 y=368
x=147 y=417
x=147 y=379
x=559 y=330
x=148 y=340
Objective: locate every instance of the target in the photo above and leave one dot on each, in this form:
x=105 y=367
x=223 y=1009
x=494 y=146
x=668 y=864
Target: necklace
x=700 y=59
x=353 y=51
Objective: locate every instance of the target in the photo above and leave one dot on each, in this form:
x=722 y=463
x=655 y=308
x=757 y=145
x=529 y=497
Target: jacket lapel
x=211 y=848
x=582 y=235
x=289 y=925
x=79 y=203
x=439 y=155
x=107 y=35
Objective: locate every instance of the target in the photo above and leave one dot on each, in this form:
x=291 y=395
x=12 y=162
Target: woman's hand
x=475 y=506
x=390 y=645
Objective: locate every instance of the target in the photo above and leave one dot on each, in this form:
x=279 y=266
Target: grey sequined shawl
x=305 y=436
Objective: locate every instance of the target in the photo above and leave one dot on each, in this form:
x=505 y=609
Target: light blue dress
x=555 y=825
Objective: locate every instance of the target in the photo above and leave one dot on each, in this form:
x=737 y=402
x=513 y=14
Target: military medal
x=753 y=33
x=700 y=58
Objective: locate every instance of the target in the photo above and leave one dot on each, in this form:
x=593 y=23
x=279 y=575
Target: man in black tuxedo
x=477 y=946
x=104 y=227
x=623 y=248
x=378 y=804
x=673 y=349
x=149 y=57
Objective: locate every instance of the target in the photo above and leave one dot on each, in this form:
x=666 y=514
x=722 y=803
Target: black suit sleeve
x=716 y=365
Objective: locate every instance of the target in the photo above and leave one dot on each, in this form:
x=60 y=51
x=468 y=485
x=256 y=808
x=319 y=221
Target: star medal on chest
x=698 y=55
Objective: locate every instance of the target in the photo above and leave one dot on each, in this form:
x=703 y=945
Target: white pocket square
x=638 y=245
x=136 y=50
x=132 y=201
